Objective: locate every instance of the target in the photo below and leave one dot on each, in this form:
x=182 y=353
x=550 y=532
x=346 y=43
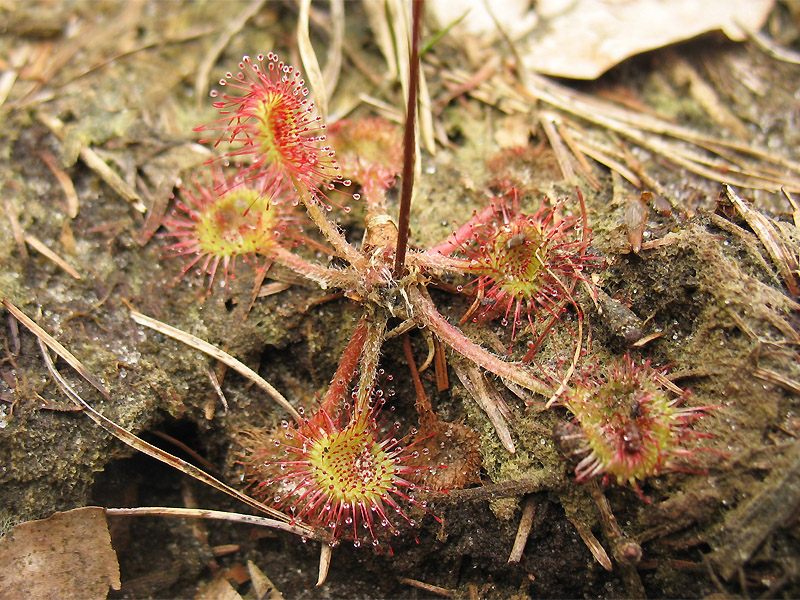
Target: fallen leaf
x=582 y=39
x=66 y=556
x=219 y=589
x=588 y=37
x=262 y=585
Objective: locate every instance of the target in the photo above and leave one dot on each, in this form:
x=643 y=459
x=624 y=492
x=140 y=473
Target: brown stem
x=409 y=144
x=426 y=312
x=427 y=417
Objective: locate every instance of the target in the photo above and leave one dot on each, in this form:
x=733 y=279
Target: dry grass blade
x=96 y=164
x=7 y=80
x=55 y=346
x=488 y=399
x=212 y=376
x=669 y=384
x=583 y=164
x=310 y=63
x=770 y=47
x=670 y=140
x=685 y=75
x=591 y=149
x=379 y=24
x=592 y=543
x=749 y=240
x=568 y=376
x=399 y=11
x=199 y=513
x=139 y=444
x=785 y=382
x=425 y=117
x=64 y=181
x=45 y=251
x=769 y=236
x=16 y=229
x=795 y=207
x=477 y=78
x=214 y=352
x=548 y=121
x=234 y=26
x=333 y=65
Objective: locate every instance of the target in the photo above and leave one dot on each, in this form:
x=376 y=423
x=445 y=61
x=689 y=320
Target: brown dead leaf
x=219 y=589
x=66 y=556
x=262 y=585
x=585 y=38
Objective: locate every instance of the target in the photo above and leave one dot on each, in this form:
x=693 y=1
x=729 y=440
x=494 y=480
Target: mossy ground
x=724 y=314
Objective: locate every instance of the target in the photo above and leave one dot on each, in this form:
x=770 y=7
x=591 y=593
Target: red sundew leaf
x=267 y=116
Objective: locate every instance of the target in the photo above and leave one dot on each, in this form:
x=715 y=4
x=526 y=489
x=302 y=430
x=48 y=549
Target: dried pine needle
x=214 y=352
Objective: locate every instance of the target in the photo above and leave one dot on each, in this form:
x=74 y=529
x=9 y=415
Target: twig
x=433 y=589
x=324 y=563
x=548 y=480
x=197 y=513
x=524 y=529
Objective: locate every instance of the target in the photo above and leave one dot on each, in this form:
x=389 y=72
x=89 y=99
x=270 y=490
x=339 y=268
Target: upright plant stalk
x=409 y=143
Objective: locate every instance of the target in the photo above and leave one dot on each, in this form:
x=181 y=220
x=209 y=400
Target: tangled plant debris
x=284 y=249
